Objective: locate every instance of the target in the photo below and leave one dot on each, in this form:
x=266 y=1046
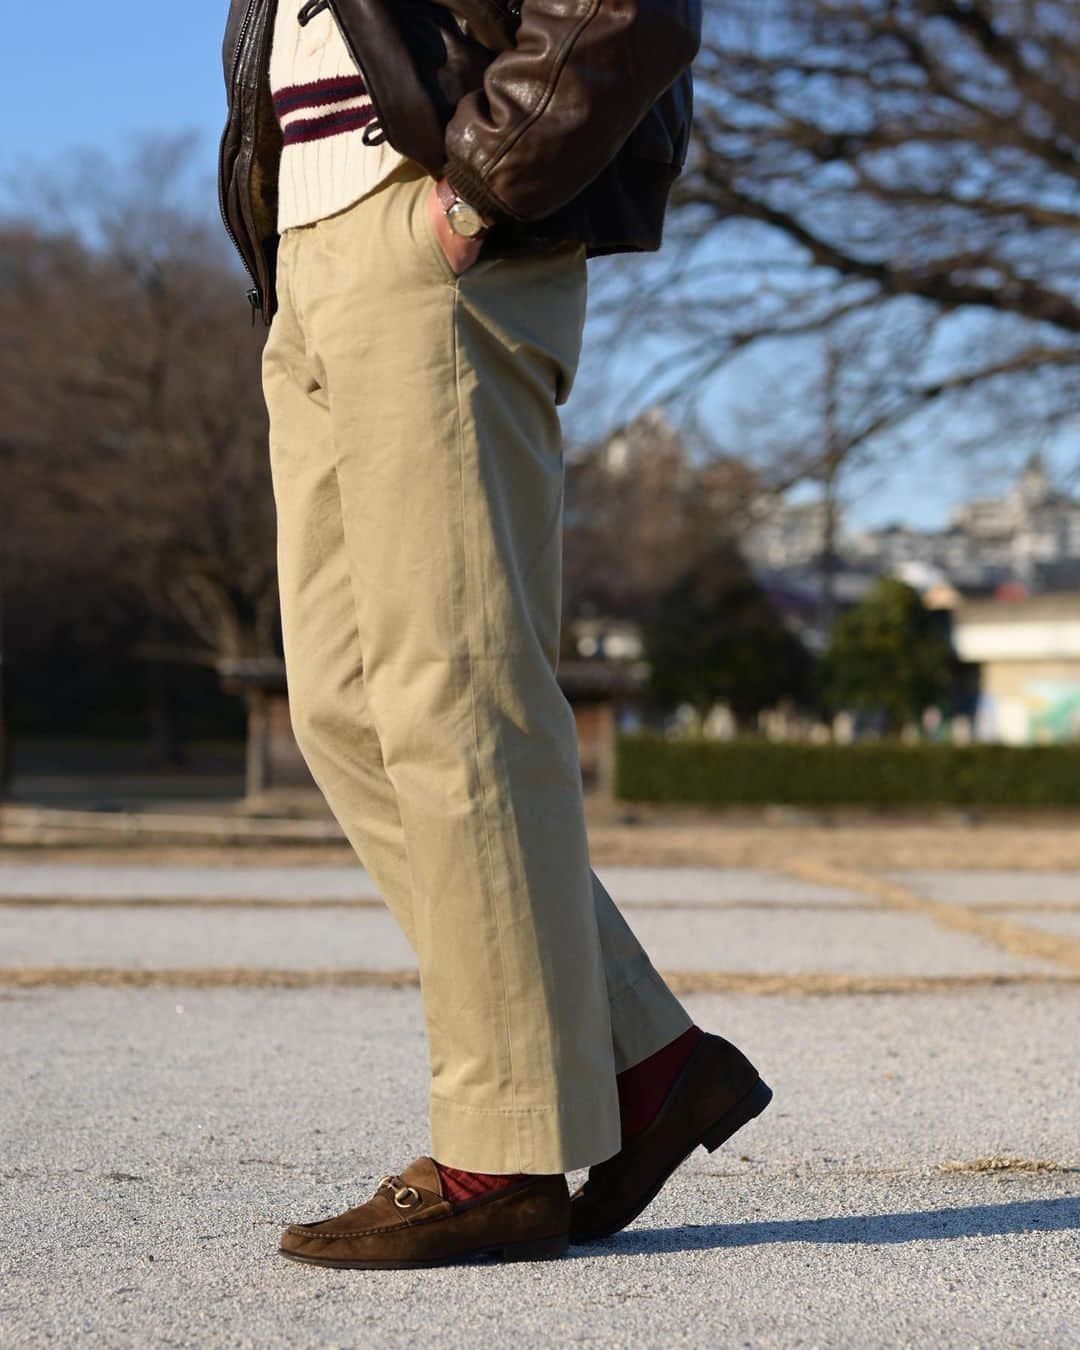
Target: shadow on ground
x=1026 y=1216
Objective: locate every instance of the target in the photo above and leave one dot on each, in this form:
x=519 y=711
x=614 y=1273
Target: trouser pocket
x=423 y=231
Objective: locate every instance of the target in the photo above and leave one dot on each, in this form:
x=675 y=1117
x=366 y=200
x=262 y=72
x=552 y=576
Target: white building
x=788 y=534
x=1028 y=652
x=1031 y=534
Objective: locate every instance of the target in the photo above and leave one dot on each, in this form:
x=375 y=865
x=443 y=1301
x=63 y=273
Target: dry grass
x=872 y=843
x=717 y=842
x=981 y=1166
x=638 y=834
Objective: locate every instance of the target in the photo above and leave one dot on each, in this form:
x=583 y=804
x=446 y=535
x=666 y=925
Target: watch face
x=464 y=219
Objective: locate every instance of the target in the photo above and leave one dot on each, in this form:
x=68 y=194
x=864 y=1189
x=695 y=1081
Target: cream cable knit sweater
x=333 y=149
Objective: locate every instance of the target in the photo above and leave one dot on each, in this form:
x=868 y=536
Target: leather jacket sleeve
x=555 y=107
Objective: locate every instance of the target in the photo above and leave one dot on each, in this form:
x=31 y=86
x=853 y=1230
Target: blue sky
x=82 y=74
x=124 y=69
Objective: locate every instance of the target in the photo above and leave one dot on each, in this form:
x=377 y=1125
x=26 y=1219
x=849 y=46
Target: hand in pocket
x=460 y=252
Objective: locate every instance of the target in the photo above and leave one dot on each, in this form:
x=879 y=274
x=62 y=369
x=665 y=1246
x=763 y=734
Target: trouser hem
x=540 y=1140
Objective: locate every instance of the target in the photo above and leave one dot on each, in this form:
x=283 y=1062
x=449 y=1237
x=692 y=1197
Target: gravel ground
x=876 y=943
x=1063 y=925
x=968 y=887
x=916 y=1179
x=115 y=881
x=154 y=1148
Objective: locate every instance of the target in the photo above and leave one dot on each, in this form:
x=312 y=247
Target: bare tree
x=643 y=510
x=907 y=163
x=132 y=400
x=849 y=393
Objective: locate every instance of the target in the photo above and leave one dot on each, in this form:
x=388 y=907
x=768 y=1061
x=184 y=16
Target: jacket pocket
x=663 y=134
x=650 y=139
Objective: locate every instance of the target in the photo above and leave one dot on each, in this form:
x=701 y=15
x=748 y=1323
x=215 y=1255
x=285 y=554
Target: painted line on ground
x=1005 y=934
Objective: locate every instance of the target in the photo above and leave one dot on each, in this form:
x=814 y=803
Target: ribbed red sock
x=643 y=1087
x=458 y=1185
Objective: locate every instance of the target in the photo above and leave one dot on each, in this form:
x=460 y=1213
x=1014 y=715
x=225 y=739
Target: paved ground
x=169 y=1102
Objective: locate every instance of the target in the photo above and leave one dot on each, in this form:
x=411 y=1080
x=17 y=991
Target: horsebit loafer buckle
x=405 y=1197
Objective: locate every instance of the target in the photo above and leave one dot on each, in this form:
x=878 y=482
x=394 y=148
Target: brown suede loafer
x=716 y=1093
x=408 y=1222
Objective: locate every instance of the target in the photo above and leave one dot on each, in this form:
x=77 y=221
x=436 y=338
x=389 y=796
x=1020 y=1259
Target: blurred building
x=1030 y=535
x=788 y=535
x=1028 y=654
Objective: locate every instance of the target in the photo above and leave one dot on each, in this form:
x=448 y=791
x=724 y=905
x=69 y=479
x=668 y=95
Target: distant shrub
x=650 y=768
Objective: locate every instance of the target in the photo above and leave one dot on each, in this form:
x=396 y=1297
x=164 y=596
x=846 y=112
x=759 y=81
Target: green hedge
x=650 y=768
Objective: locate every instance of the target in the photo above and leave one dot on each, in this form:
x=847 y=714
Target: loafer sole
x=748 y=1106
x=539 y=1249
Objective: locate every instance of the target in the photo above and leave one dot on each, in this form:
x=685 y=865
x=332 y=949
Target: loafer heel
x=717 y=1091
x=542 y=1249
x=746 y=1108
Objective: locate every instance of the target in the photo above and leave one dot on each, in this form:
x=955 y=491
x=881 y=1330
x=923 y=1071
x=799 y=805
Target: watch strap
x=445 y=193
x=448 y=195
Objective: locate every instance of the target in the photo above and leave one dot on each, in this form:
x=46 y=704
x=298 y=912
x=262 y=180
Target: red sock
x=458 y=1185
x=643 y=1087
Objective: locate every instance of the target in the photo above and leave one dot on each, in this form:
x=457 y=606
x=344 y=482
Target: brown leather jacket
x=557 y=119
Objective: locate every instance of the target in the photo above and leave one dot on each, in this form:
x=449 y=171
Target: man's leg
x=327 y=688
x=327 y=699
x=450 y=470
x=361 y=478
x=442 y=396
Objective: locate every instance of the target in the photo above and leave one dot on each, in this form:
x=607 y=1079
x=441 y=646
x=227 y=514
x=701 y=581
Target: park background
x=822 y=451
x=821 y=636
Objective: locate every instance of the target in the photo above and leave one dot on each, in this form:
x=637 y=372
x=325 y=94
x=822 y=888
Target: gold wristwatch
x=464 y=219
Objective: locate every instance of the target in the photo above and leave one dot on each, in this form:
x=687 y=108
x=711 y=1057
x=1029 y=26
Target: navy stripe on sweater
x=315 y=93
x=332 y=124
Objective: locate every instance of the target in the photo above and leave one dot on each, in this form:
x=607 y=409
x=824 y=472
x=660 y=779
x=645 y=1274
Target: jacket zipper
x=253 y=297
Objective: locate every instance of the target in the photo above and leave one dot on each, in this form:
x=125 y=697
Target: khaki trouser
x=417 y=468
